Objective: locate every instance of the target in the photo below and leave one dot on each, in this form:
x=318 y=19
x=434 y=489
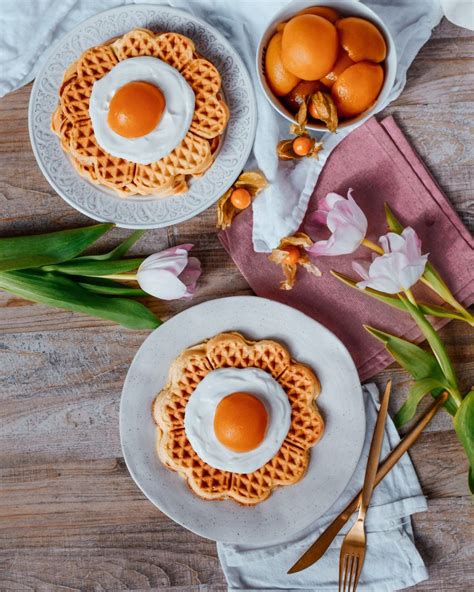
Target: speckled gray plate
x=333 y=460
x=143 y=212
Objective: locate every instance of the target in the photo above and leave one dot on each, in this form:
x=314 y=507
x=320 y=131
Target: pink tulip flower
x=398 y=269
x=170 y=274
x=345 y=220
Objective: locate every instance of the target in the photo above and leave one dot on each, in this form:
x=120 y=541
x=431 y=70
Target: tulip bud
x=345 y=220
x=170 y=274
x=401 y=266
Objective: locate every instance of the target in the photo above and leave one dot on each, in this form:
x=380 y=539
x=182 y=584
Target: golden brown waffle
x=175 y=49
x=95 y=62
x=233 y=350
x=192 y=157
x=211 y=113
x=139 y=42
x=210 y=117
x=203 y=77
x=178 y=455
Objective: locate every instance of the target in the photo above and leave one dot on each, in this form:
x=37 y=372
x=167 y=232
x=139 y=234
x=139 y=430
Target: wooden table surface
x=71 y=517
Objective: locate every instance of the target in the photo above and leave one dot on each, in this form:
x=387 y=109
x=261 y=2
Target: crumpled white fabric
x=27 y=29
x=392 y=561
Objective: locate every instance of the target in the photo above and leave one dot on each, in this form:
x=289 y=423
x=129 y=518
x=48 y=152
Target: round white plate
x=333 y=460
x=143 y=212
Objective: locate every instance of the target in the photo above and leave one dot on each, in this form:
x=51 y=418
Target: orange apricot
x=342 y=63
x=309 y=46
x=357 y=88
x=361 y=39
x=298 y=95
x=280 y=80
x=325 y=11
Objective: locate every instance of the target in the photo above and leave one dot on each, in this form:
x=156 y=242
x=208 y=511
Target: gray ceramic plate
x=333 y=460
x=143 y=212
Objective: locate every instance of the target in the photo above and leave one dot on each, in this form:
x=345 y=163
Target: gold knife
x=319 y=547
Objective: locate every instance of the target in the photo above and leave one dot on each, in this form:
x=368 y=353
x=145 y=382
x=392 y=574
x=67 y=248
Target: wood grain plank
x=90 y=519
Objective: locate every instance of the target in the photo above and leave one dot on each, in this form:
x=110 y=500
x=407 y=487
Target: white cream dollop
x=201 y=407
x=173 y=125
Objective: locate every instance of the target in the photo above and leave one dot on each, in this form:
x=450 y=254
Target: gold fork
x=353 y=546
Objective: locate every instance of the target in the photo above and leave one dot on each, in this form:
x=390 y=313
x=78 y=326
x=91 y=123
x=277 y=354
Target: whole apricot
x=280 y=80
x=309 y=46
x=298 y=95
x=357 y=88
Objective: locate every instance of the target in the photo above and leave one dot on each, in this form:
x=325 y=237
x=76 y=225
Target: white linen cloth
x=28 y=28
x=392 y=561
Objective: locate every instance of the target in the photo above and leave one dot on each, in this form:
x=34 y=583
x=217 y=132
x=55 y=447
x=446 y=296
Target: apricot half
x=361 y=39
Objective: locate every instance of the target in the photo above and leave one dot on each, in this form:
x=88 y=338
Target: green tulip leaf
x=435 y=342
x=63 y=292
x=416 y=392
x=415 y=360
x=108 y=287
x=418 y=362
x=427 y=309
x=392 y=222
x=22 y=252
x=119 y=251
x=86 y=266
x=464 y=426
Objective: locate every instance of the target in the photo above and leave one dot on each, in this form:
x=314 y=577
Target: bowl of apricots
x=337 y=55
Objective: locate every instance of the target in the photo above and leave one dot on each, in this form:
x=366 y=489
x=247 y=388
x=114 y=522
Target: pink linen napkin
x=377 y=161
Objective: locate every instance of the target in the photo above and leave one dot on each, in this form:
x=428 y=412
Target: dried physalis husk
x=299 y=128
x=291 y=253
x=285 y=150
x=253 y=182
x=326 y=110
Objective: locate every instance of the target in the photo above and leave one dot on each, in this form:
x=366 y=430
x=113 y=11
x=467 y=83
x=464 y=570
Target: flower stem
x=118 y=276
x=411 y=297
x=372 y=246
x=435 y=342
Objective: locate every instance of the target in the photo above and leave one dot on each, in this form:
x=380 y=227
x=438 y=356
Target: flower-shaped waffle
x=233 y=350
x=194 y=154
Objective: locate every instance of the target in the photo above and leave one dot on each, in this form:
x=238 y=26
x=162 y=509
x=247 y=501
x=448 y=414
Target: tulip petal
x=327 y=203
x=320 y=217
x=161 y=283
x=392 y=242
x=190 y=276
x=345 y=220
x=412 y=242
x=173 y=259
x=362 y=268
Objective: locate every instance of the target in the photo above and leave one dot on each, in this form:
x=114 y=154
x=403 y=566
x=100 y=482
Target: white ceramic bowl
x=346 y=8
